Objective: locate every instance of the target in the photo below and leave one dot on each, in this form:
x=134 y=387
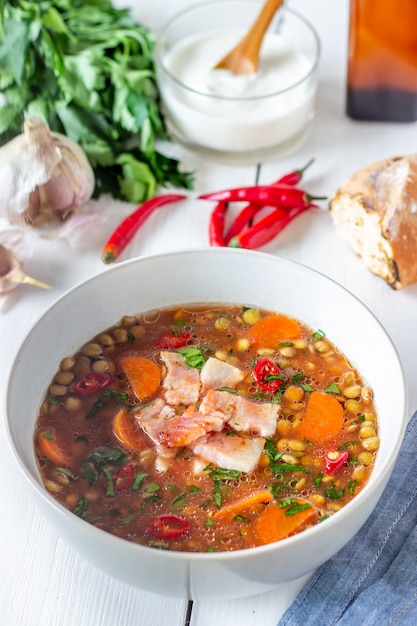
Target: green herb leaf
x=107 y=456
x=297 y=378
x=282 y=504
x=242 y=518
x=288 y=467
x=110 y=482
x=128 y=518
x=293 y=510
x=333 y=493
x=194 y=489
x=222 y=474
x=139 y=478
x=351 y=487
x=152 y=488
x=275 y=377
x=81 y=507
x=193 y=356
x=347 y=444
x=317 y=480
x=228 y=389
x=153 y=498
x=332 y=388
x=89 y=472
x=179 y=501
x=276 y=488
x=270 y=450
x=217 y=497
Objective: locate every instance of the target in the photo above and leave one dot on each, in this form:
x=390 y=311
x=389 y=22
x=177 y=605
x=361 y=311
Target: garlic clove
x=18 y=276
x=12 y=274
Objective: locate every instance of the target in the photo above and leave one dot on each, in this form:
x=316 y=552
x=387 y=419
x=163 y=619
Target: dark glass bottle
x=382 y=62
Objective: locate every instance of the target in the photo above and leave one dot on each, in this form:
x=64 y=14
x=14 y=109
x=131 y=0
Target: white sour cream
x=224 y=112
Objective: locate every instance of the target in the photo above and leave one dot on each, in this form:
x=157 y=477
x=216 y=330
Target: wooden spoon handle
x=244 y=58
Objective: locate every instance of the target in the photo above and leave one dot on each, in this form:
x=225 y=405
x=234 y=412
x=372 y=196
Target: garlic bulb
x=44 y=176
x=11 y=272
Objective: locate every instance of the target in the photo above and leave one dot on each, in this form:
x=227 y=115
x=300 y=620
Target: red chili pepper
x=247 y=214
x=241 y=220
x=266 y=229
x=285 y=196
x=125 y=231
x=216 y=225
x=337 y=459
x=293 y=178
x=124 y=477
x=91 y=382
x=167 y=527
x=268 y=375
x=173 y=340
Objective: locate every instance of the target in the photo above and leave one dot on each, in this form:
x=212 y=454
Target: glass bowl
x=231 y=118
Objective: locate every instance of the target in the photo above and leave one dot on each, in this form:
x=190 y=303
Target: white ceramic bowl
x=215 y=275
x=237 y=119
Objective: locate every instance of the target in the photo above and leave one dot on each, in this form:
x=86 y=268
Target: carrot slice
x=274 y=523
x=143 y=375
x=50 y=448
x=270 y=331
x=323 y=418
x=260 y=497
x=127 y=430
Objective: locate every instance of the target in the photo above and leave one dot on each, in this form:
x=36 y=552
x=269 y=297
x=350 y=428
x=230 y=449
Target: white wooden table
x=42 y=581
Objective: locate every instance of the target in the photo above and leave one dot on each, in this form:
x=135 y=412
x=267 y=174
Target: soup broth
x=206 y=428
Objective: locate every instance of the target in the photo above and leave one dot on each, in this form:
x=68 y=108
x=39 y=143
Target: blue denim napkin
x=373 y=579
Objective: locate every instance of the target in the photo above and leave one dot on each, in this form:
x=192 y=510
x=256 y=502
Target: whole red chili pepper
x=267 y=229
x=216 y=225
x=90 y=383
x=294 y=177
x=125 y=231
x=285 y=196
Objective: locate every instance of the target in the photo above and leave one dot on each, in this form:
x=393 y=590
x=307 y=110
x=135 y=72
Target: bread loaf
x=375 y=211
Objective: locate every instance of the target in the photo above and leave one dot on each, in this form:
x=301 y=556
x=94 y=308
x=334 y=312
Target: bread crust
x=375 y=211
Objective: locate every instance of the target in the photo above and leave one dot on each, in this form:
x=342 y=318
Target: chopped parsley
x=81 y=507
x=332 y=388
x=193 y=356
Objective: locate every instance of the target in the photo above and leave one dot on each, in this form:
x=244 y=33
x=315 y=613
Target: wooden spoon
x=244 y=58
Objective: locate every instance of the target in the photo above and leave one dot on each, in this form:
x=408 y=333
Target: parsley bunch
x=87 y=69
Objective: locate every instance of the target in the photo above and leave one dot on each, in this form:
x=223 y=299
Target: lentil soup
x=206 y=428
